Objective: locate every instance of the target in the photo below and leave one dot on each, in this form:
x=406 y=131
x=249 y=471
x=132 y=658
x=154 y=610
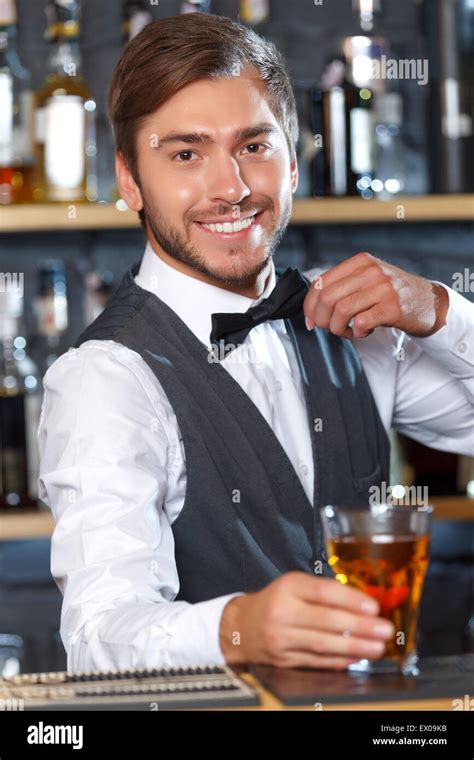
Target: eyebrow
x=202 y=138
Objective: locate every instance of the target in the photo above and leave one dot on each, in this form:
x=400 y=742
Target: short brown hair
x=176 y=51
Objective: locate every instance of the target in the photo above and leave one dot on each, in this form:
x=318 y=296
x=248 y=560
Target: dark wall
x=305 y=33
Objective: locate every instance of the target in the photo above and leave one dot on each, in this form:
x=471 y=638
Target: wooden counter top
x=270 y=702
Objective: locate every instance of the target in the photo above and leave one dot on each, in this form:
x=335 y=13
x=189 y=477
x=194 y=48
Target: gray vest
x=246 y=518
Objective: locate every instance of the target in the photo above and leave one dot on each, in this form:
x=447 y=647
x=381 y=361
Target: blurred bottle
x=450 y=126
x=65 y=133
x=98 y=287
x=465 y=475
x=254 y=12
x=348 y=132
x=349 y=88
x=20 y=405
x=136 y=15
x=51 y=309
x=466 y=47
x=195 y=6
x=389 y=175
x=368 y=13
x=309 y=147
x=16 y=114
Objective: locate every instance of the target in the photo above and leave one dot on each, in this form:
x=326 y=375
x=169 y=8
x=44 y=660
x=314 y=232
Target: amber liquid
x=391 y=569
x=16 y=184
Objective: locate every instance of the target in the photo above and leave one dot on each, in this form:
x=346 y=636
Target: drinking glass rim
x=379 y=509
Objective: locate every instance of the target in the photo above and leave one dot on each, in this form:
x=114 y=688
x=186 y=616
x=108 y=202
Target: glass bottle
x=194 y=6
x=16 y=114
x=348 y=132
x=136 y=15
x=98 y=287
x=20 y=404
x=65 y=133
x=389 y=176
x=51 y=308
x=254 y=12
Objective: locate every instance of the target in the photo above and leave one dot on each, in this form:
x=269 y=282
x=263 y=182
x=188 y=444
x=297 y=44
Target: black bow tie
x=285 y=300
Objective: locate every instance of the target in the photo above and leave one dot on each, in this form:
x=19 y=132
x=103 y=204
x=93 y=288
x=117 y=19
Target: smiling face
x=216 y=181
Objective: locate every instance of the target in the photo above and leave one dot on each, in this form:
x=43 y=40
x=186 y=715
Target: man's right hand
x=299 y=620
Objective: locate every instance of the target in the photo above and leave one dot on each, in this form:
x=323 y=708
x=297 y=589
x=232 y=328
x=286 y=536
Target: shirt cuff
x=197 y=640
x=453 y=344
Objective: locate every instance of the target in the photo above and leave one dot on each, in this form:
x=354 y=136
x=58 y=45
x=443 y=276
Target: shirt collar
x=192 y=300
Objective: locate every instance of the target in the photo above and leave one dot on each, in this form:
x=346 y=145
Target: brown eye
x=184 y=153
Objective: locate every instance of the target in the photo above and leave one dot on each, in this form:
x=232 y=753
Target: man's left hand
x=368 y=293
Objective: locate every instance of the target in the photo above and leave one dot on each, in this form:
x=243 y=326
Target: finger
x=347 y=268
x=348 y=308
x=322 y=304
x=330 y=620
x=323 y=643
x=380 y=315
x=330 y=593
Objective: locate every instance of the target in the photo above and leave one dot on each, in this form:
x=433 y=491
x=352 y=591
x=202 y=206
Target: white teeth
x=241 y=224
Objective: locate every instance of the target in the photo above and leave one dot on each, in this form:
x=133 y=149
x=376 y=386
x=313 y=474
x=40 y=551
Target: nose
x=225 y=182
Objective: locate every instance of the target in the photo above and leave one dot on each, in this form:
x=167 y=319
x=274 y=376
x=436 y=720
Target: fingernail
x=369 y=606
x=383 y=629
x=374 y=647
x=309 y=323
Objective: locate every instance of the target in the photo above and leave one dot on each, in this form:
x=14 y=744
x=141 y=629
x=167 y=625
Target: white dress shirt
x=113 y=469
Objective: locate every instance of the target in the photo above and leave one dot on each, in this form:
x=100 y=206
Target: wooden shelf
x=421 y=208
x=95 y=216
x=19 y=526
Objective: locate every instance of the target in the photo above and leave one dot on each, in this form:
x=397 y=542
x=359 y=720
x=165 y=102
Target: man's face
x=187 y=180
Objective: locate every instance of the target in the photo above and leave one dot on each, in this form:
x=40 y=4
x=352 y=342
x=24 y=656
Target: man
x=186 y=481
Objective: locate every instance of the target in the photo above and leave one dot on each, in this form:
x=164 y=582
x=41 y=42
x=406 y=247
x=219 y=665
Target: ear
x=294 y=175
x=127 y=186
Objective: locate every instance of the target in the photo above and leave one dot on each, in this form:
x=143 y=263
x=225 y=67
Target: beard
x=240 y=274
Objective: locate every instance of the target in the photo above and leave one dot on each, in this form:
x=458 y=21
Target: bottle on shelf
x=98 y=287
x=368 y=12
x=16 y=114
x=51 y=309
x=65 y=132
x=20 y=406
x=389 y=175
x=348 y=133
x=309 y=147
x=349 y=92
x=254 y=12
x=136 y=15
x=195 y=6
x=450 y=118
x=465 y=475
